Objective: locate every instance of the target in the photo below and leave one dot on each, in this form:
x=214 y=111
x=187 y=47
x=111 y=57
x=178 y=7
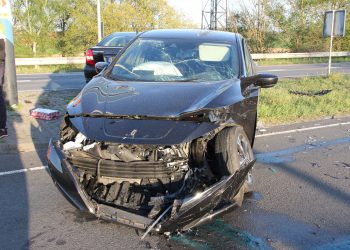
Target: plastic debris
x=44 y=114
x=310 y=93
x=273 y=170
x=315 y=164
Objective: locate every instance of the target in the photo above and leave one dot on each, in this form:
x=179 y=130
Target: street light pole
x=99 y=32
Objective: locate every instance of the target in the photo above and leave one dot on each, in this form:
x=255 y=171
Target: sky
x=191 y=9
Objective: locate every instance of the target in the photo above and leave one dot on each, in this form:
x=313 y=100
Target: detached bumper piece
x=178 y=211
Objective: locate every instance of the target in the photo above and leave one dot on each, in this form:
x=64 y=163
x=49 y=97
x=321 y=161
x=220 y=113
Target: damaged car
x=161 y=140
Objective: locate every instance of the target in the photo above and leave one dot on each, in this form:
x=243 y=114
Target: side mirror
x=266 y=80
x=260 y=80
x=100 y=66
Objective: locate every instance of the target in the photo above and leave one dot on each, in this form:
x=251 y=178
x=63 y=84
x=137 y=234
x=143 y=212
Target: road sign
x=334 y=20
x=334 y=26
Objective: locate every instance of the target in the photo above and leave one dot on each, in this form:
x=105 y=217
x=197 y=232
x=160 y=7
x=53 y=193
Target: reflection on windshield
x=176 y=60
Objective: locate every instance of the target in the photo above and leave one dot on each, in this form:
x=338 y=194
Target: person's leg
x=2 y=110
x=3 y=130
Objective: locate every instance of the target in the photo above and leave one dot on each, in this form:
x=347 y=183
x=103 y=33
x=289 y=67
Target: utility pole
x=10 y=81
x=99 y=30
x=214 y=14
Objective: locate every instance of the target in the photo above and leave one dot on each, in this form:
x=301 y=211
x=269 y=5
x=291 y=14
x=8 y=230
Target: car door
x=250 y=93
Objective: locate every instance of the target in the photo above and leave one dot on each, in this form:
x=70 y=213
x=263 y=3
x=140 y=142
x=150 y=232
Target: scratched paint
x=287 y=155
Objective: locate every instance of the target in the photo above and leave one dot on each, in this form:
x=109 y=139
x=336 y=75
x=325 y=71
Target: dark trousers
x=2 y=110
x=2 y=101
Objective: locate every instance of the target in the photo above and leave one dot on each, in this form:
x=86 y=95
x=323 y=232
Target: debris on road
x=334 y=177
x=315 y=164
x=45 y=114
x=273 y=170
x=342 y=164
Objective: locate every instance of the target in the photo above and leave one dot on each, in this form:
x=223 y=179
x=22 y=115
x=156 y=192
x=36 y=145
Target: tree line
x=69 y=27
x=290 y=26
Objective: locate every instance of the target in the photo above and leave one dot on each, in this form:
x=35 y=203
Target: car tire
x=232 y=148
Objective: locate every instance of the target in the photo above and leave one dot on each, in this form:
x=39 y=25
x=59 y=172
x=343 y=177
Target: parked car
x=105 y=51
x=162 y=138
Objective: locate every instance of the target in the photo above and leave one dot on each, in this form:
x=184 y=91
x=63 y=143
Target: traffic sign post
x=10 y=81
x=334 y=26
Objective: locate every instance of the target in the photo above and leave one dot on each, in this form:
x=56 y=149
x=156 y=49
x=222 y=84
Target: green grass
x=277 y=105
x=49 y=68
x=301 y=60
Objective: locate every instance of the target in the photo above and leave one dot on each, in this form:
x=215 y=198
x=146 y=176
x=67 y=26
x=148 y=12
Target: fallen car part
x=149 y=229
x=310 y=93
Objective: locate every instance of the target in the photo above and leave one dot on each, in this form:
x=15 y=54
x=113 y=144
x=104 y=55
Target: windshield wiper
x=186 y=80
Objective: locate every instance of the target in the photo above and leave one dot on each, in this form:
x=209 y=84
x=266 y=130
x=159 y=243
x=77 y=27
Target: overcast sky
x=191 y=9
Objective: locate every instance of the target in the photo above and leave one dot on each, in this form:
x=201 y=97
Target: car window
x=176 y=60
x=247 y=59
x=116 y=41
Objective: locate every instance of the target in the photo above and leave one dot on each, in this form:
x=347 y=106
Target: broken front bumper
x=194 y=211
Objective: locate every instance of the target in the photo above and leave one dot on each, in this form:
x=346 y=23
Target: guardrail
x=49 y=61
x=81 y=60
x=298 y=55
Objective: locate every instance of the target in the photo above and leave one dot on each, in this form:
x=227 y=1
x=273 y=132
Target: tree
x=33 y=20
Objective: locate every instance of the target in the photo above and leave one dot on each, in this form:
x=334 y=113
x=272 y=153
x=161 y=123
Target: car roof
x=122 y=33
x=208 y=35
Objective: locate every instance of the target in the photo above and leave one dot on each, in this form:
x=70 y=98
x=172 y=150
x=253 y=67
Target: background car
x=162 y=138
x=105 y=51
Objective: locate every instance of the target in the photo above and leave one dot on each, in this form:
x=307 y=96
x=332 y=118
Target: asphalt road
x=57 y=81
x=301 y=200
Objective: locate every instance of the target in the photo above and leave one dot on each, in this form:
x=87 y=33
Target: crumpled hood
x=102 y=96
x=155 y=103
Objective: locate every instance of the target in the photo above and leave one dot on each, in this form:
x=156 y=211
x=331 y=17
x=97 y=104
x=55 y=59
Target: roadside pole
x=99 y=20
x=331 y=45
x=10 y=81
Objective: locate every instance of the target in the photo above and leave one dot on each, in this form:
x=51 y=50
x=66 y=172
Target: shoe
x=3 y=133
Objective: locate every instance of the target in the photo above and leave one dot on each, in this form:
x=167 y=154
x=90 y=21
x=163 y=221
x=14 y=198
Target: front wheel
x=232 y=150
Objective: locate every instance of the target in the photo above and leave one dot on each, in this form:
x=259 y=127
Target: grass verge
x=301 y=60
x=60 y=68
x=278 y=106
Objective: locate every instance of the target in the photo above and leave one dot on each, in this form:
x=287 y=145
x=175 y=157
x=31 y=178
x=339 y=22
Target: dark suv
x=105 y=51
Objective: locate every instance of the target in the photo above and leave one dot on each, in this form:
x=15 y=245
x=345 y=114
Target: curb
x=22 y=147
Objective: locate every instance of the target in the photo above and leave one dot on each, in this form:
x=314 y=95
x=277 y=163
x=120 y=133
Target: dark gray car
x=162 y=138
x=105 y=51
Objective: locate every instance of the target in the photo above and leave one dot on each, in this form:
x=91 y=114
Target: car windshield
x=116 y=40
x=169 y=60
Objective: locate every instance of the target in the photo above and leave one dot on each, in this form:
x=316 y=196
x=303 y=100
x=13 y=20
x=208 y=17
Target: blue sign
x=6 y=21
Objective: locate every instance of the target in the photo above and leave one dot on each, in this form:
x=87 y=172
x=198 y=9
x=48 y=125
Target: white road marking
x=275 y=70
x=22 y=170
x=24 y=80
x=303 y=129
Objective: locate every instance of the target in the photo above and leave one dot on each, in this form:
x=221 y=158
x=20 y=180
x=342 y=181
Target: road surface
x=57 y=81
x=301 y=200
